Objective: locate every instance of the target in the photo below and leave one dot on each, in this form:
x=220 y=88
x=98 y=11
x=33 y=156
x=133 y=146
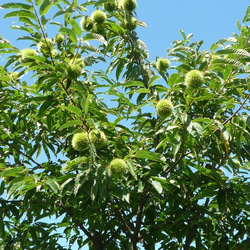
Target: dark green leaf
x=45 y=106
x=2 y=186
x=221 y=199
x=176 y=144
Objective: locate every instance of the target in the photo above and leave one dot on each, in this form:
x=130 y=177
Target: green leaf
x=149 y=155
x=141 y=23
x=214 y=46
x=86 y=105
x=120 y=68
x=131 y=168
x=71 y=124
x=143 y=45
x=247 y=15
x=46 y=5
x=53 y=185
x=45 y=106
x=176 y=144
x=183 y=35
x=38 y=2
x=197 y=128
x=21 y=13
x=92 y=48
x=126 y=197
x=75 y=110
x=16 y=6
x=20 y=185
x=5 y=118
x=75 y=162
x=76 y=27
x=157 y=186
x=240 y=52
x=79 y=181
x=227 y=40
x=103 y=1
x=49 y=122
x=11 y=172
x=140 y=90
x=2 y=186
x=133 y=84
x=152 y=80
x=97 y=37
x=221 y=199
x=69 y=32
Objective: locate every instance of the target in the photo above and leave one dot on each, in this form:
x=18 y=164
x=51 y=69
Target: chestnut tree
x=108 y=149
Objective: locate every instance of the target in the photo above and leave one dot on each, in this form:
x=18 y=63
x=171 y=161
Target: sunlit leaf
x=149 y=155
x=71 y=124
x=157 y=186
x=97 y=37
x=45 y=6
x=21 y=13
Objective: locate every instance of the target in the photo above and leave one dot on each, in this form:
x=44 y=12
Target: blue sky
x=208 y=20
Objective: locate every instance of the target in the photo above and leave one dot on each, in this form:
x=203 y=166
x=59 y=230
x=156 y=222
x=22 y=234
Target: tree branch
x=97 y=243
x=22 y=153
x=138 y=219
x=127 y=227
x=194 y=228
x=190 y=237
x=235 y=113
x=136 y=236
x=111 y=237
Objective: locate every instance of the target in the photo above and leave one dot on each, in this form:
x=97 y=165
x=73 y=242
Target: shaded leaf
x=221 y=199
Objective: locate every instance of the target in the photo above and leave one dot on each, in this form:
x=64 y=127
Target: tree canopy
x=105 y=148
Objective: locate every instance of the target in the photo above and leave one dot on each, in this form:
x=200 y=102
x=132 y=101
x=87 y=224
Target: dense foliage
x=161 y=149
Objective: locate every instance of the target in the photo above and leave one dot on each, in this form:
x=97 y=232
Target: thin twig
x=22 y=153
x=127 y=227
x=235 y=113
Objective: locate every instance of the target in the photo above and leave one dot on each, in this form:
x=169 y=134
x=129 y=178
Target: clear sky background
x=208 y=20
